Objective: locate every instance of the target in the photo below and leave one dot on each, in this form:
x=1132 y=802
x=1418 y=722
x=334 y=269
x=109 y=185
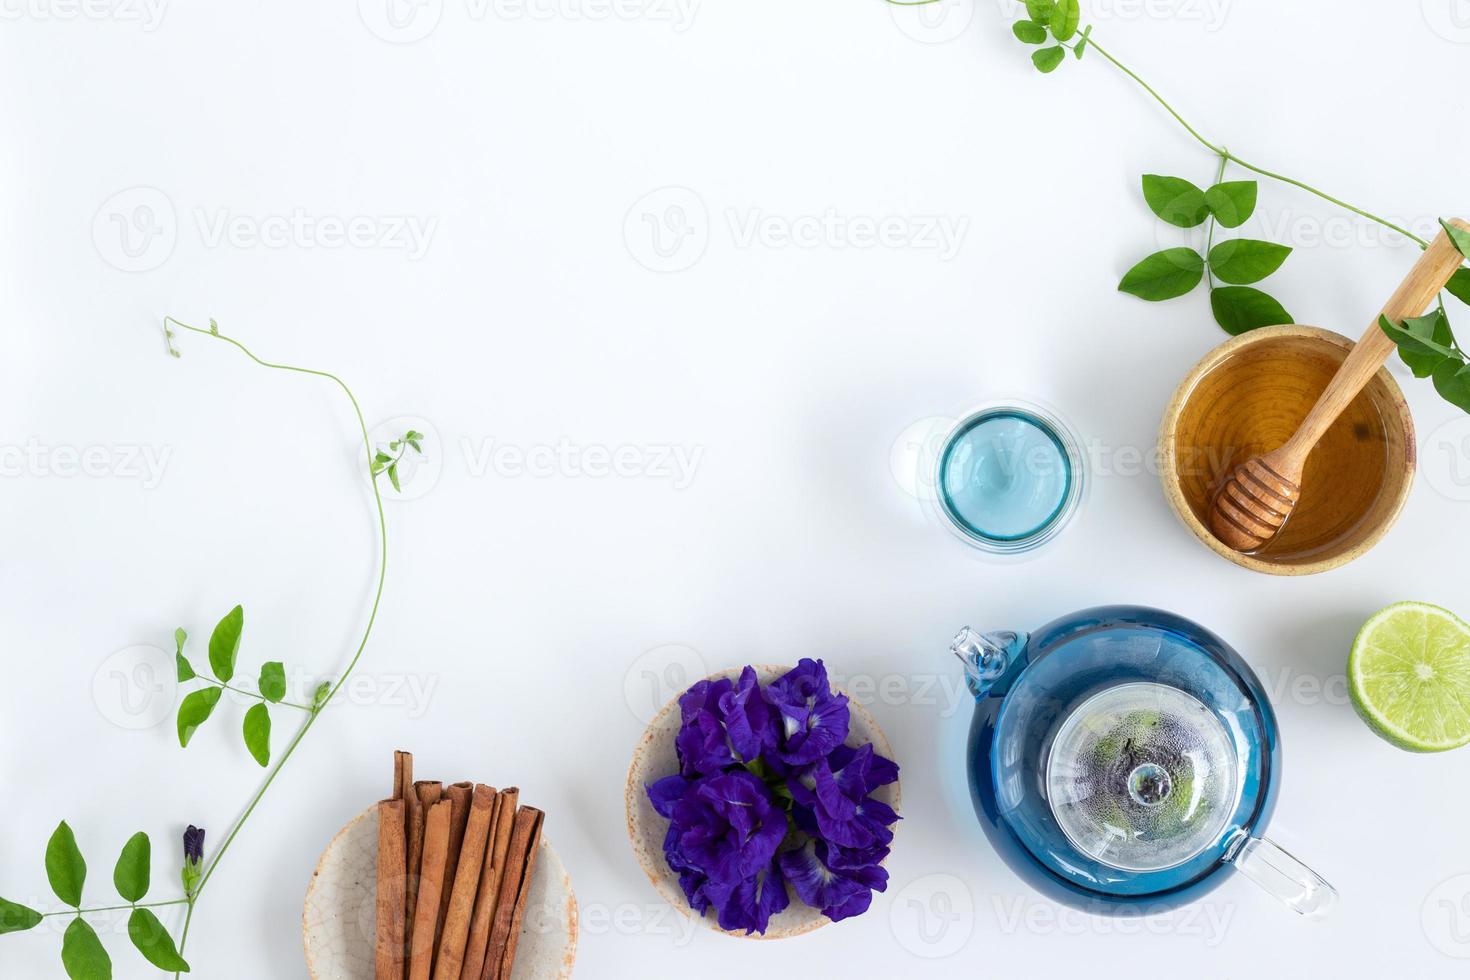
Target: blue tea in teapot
x=1125 y=756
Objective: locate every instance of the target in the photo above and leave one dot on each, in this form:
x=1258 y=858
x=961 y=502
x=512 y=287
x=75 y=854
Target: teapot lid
x=1142 y=776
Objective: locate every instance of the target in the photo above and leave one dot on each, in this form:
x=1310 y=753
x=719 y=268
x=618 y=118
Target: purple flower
x=838 y=881
x=815 y=721
x=725 y=827
x=753 y=725
x=750 y=903
x=193 y=870
x=702 y=743
x=832 y=803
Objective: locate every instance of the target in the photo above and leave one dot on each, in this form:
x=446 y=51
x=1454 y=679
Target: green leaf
x=1452 y=381
x=1047 y=59
x=1028 y=31
x=1081 y=44
x=323 y=691
x=1064 y=19
x=258 y=733
x=154 y=942
x=195 y=711
x=1458 y=235
x=65 y=868
x=17 y=918
x=1434 y=328
x=82 y=953
x=1040 y=11
x=1459 y=285
x=134 y=868
x=1242 y=261
x=272 y=682
x=1165 y=275
x=1241 y=308
x=393 y=477
x=1232 y=202
x=1175 y=200
x=185 y=669
x=1417 y=339
x=224 y=644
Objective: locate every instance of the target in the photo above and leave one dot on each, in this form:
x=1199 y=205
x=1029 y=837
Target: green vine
x=82 y=953
x=1426 y=344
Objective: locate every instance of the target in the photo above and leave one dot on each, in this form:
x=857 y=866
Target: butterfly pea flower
x=193 y=859
x=814 y=720
x=703 y=743
x=838 y=881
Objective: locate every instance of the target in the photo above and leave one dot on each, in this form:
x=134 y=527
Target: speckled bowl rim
x=1169 y=471
x=548 y=856
x=864 y=730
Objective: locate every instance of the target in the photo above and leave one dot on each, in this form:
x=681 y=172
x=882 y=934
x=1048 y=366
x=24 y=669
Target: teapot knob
x=986 y=656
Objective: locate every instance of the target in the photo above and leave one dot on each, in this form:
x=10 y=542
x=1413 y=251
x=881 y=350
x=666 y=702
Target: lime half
x=1409 y=675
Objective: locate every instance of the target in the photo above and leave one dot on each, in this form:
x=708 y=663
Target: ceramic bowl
x=338 y=923
x=654 y=758
x=1247 y=396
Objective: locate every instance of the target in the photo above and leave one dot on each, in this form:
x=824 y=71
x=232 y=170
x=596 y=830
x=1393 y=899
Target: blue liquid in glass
x=1004 y=476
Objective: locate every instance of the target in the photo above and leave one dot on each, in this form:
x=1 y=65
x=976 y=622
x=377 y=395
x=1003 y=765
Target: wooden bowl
x=338 y=919
x=1247 y=396
x=655 y=758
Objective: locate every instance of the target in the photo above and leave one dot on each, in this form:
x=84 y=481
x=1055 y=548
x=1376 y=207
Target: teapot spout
x=987 y=656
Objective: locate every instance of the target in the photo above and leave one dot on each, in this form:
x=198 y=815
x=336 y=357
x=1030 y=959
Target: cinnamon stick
x=391 y=894
x=459 y=795
x=402 y=774
x=431 y=880
x=449 y=964
x=510 y=908
x=477 y=949
x=422 y=795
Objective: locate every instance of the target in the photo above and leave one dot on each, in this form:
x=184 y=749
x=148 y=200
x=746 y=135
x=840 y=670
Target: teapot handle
x=1297 y=886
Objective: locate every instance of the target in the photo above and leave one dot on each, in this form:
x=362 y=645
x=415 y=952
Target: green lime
x=1409 y=676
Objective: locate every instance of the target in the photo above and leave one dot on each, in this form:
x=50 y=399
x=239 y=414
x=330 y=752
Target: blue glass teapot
x=1122 y=757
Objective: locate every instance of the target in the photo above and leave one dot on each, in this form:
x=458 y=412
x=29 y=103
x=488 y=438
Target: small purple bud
x=194 y=845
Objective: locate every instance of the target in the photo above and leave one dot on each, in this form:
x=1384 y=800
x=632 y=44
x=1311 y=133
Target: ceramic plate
x=338 y=923
x=655 y=758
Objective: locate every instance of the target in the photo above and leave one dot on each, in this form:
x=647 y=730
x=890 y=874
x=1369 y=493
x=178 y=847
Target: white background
x=526 y=610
